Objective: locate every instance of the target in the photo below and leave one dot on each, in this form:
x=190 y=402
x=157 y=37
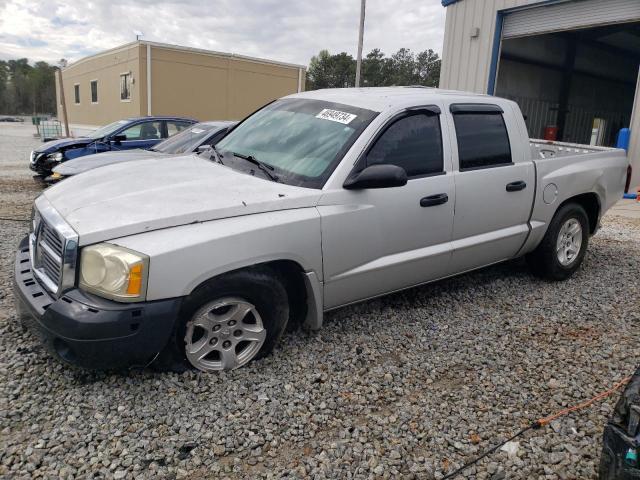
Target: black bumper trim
x=91 y=331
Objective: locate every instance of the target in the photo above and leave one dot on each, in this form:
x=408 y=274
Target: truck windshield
x=187 y=140
x=303 y=140
x=107 y=130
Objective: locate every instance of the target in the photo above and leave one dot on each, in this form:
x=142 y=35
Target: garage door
x=569 y=15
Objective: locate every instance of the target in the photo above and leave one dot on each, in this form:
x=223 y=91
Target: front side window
x=413 y=143
x=76 y=94
x=144 y=131
x=125 y=86
x=301 y=139
x=107 y=130
x=483 y=140
x=94 y=91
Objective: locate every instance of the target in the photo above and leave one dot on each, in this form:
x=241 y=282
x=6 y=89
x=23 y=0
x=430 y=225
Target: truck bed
x=541 y=149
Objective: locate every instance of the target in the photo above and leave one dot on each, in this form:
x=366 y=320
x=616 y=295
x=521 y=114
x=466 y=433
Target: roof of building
x=169 y=46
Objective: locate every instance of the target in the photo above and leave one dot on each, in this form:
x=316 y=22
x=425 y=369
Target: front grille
x=49 y=252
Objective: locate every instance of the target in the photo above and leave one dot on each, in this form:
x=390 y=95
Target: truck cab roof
x=382 y=98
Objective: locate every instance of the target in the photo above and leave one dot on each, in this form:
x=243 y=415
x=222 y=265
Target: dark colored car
x=198 y=136
x=140 y=132
x=621 y=439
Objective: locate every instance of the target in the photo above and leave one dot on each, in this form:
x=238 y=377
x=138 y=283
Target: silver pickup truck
x=318 y=200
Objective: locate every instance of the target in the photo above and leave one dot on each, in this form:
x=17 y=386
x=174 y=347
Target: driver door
x=375 y=241
x=141 y=135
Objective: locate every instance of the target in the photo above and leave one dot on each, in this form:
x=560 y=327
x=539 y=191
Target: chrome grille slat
x=51 y=268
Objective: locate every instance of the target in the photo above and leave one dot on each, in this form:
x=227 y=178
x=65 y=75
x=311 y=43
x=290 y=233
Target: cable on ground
x=541 y=422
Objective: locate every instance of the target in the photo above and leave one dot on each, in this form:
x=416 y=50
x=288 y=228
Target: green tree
x=26 y=88
x=402 y=68
x=428 y=68
x=331 y=71
x=373 y=69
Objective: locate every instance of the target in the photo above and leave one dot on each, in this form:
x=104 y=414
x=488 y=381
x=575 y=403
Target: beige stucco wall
x=187 y=82
x=106 y=68
x=466 y=61
x=212 y=87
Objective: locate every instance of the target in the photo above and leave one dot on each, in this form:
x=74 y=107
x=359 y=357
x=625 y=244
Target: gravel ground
x=408 y=386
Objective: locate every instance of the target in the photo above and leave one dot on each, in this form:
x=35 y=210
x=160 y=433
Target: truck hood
x=55 y=145
x=129 y=198
x=89 y=162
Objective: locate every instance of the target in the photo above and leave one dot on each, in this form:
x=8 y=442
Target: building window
x=76 y=94
x=94 y=91
x=483 y=140
x=125 y=86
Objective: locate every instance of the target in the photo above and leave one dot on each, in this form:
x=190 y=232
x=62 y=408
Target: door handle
x=433 y=200
x=516 y=186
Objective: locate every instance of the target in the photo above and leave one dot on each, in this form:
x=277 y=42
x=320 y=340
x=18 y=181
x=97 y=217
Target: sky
x=285 y=30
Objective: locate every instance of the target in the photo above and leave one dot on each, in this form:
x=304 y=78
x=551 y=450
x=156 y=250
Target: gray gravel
x=408 y=386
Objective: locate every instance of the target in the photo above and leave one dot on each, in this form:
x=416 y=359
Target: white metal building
x=572 y=65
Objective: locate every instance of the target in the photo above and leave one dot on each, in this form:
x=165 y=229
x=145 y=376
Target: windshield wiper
x=217 y=155
x=264 y=167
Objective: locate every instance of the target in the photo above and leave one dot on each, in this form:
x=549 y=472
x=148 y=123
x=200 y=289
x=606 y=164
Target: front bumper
x=90 y=331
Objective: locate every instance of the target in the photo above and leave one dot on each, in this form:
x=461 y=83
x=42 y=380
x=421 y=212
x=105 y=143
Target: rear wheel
x=564 y=245
x=230 y=321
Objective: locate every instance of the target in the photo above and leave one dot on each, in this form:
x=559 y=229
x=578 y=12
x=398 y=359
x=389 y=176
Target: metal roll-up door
x=569 y=15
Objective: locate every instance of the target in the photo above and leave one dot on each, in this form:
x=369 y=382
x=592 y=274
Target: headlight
x=114 y=272
x=56 y=157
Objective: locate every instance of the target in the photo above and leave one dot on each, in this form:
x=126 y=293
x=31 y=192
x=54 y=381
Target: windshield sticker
x=196 y=130
x=336 y=116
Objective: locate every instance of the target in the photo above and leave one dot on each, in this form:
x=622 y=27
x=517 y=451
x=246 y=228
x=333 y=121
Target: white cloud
x=286 y=30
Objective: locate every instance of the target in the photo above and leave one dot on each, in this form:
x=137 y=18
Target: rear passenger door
x=495 y=186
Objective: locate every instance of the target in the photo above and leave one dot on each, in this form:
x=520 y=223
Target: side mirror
x=118 y=138
x=377 y=176
x=203 y=148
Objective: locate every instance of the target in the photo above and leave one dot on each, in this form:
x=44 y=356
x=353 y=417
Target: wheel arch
x=592 y=206
x=303 y=288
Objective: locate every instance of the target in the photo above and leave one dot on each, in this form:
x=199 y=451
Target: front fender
x=184 y=257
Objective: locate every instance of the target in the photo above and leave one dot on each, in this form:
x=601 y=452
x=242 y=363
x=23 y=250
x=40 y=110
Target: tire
x=551 y=260
x=219 y=304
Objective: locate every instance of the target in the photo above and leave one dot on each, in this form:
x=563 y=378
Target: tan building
x=572 y=65
x=147 y=78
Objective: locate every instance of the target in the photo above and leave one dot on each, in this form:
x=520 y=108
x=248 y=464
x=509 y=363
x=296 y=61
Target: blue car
x=139 y=132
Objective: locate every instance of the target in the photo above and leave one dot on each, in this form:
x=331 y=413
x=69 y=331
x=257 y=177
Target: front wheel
x=564 y=245
x=230 y=321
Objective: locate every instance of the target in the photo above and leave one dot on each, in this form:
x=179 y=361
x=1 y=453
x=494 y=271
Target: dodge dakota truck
x=318 y=200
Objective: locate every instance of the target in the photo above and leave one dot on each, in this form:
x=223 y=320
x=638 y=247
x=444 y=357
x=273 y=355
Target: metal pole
x=360 y=37
x=64 y=103
x=149 y=79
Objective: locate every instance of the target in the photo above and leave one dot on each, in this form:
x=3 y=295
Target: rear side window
x=413 y=143
x=175 y=126
x=483 y=140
